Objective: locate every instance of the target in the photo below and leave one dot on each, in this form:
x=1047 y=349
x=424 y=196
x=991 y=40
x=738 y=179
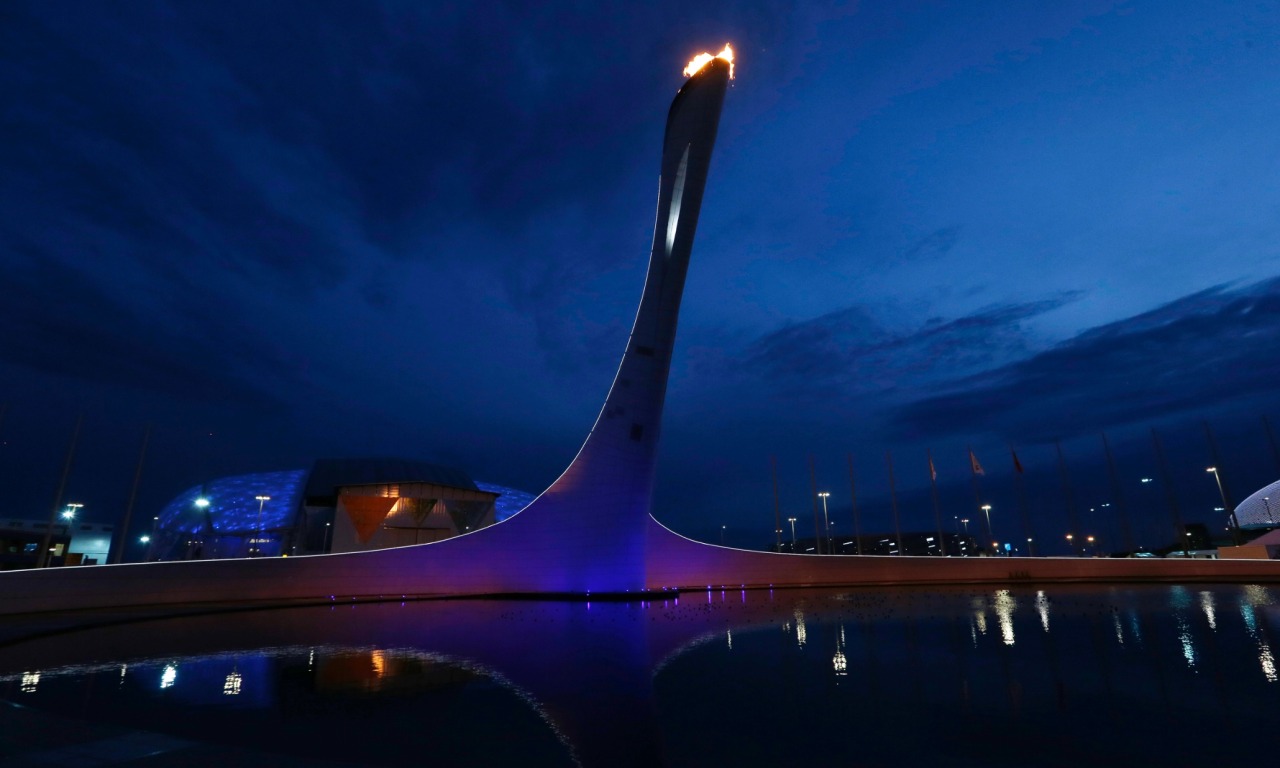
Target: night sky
x=290 y=230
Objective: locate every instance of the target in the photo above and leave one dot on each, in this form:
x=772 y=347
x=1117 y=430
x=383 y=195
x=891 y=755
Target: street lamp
x=987 y=509
x=1266 y=501
x=328 y=536
x=1093 y=544
x=722 y=535
x=1030 y=552
x=965 y=521
x=1231 y=515
x=69 y=516
x=792 y=520
x=1071 y=544
x=826 y=520
x=261 y=500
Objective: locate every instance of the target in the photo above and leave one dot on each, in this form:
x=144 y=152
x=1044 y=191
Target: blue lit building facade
x=336 y=505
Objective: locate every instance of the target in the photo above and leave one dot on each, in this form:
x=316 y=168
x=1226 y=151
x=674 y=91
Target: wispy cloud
x=1207 y=349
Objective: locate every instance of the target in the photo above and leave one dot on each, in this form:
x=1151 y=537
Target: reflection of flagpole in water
x=1096 y=634
x=1153 y=654
x=893 y=498
x=957 y=648
x=853 y=497
x=869 y=641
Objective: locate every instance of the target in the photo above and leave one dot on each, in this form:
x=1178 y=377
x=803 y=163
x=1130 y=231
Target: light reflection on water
x=902 y=677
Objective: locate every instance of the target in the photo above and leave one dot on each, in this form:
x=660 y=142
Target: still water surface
x=1060 y=676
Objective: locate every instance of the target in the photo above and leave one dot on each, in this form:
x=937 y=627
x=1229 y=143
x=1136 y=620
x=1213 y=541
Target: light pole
x=965 y=521
x=1071 y=545
x=1093 y=544
x=792 y=520
x=1231 y=513
x=987 y=509
x=261 y=501
x=151 y=540
x=826 y=521
x=328 y=536
x=69 y=515
x=722 y=535
x=1266 y=501
x=1030 y=552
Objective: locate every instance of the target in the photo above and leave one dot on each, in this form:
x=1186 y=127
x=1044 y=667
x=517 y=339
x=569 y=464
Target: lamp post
x=261 y=501
x=826 y=521
x=1266 y=501
x=987 y=509
x=1071 y=545
x=328 y=536
x=792 y=520
x=1093 y=544
x=69 y=517
x=1226 y=506
x=1030 y=552
x=151 y=540
x=722 y=535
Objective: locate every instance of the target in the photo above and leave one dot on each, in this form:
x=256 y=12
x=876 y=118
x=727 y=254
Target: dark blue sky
x=282 y=231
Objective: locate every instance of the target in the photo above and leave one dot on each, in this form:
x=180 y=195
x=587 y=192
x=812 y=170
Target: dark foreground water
x=1063 y=676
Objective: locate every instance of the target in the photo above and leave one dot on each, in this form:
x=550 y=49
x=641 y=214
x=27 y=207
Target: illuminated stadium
x=338 y=505
x=1261 y=509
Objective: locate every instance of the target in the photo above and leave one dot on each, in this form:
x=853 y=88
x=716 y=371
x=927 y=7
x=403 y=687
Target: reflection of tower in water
x=838 y=661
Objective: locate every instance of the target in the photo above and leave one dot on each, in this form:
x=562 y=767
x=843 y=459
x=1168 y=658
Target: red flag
x=1017 y=465
x=973 y=461
x=933 y=473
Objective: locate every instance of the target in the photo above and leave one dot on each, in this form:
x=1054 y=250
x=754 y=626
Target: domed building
x=337 y=505
x=1261 y=509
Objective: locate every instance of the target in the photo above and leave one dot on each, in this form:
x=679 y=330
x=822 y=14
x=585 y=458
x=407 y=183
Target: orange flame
x=703 y=59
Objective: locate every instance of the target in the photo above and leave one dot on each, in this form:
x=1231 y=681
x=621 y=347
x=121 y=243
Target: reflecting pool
x=1056 y=676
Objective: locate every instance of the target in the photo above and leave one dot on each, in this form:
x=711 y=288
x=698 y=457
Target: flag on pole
x=1017 y=465
x=933 y=473
x=973 y=461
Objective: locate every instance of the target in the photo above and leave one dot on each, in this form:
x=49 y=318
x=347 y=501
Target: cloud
x=846 y=352
x=60 y=321
x=1210 y=348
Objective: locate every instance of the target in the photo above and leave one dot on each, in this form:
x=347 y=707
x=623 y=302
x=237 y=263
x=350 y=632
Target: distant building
x=71 y=544
x=913 y=543
x=338 y=505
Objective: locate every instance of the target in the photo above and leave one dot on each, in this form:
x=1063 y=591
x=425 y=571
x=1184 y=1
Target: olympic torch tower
x=599 y=507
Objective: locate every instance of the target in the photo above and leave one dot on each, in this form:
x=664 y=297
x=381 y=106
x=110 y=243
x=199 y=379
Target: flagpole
x=813 y=488
x=937 y=510
x=1179 y=530
x=893 y=497
x=1118 y=493
x=1072 y=519
x=133 y=496
x=1222 y=485
x=1023 y=507
x=777 y=518
x=853 y=494
x=977 y=491
x=45 y=559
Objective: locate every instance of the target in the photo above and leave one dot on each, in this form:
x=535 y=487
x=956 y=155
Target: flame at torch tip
x=703 y=59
